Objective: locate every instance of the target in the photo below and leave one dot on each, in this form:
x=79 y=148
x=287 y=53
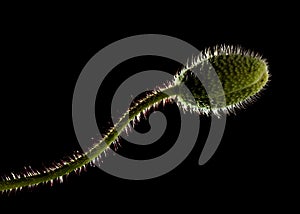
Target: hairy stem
x=58 y=172
x=242 y=76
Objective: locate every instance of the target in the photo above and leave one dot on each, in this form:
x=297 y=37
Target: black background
x=41 y=59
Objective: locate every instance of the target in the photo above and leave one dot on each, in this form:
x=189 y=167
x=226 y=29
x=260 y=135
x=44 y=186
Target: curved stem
x=67 y=167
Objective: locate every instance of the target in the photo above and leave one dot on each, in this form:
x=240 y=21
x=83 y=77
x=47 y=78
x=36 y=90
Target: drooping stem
x=48 y=175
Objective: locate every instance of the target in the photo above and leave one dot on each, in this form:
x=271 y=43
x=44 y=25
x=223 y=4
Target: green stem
x=70 y=166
